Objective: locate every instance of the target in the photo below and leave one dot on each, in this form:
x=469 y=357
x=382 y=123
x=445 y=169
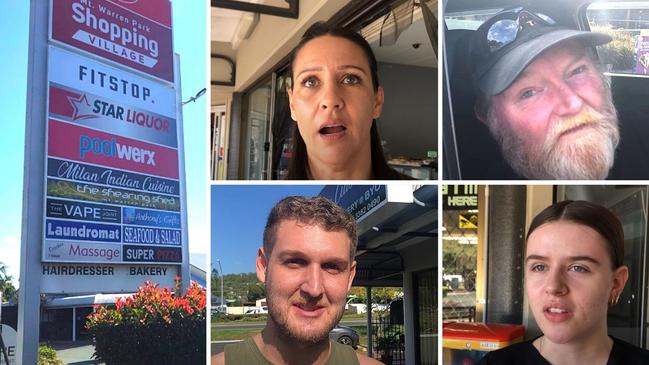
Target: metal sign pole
x=29 y=304
x=185 y=270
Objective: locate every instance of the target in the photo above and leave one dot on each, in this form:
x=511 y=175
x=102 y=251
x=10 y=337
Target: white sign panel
x=9 y=338
x=98 y=278
x=66 y=251
x=82 y=73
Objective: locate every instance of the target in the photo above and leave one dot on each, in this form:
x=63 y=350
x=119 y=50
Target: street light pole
x=218 y=261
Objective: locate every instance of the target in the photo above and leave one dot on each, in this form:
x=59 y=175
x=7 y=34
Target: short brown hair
x=316 y=211
x=595 y=216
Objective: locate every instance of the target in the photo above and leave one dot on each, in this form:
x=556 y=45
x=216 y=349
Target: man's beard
x=590 y=157
x=308 y=333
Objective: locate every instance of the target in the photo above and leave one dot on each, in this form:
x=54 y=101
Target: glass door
x=218 y=142
x=626 y=319
x=258 y=104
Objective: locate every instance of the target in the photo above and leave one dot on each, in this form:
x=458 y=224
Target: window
x=628 y=24
x=470 y=20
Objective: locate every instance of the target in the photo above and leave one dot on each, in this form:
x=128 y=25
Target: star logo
x=81 y=106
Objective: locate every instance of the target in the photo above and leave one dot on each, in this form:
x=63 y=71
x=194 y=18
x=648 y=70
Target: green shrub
x=619 y=53
x=152 y=327
x=47 y=356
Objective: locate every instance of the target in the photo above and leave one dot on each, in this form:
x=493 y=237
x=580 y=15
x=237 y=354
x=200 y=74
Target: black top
x=525 y=353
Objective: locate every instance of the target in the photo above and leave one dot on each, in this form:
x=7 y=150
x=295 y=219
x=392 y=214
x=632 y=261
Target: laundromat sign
x=123 y=31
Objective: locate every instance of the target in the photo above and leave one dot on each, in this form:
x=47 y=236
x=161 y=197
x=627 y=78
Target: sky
x=190 y=41
x=238 y=217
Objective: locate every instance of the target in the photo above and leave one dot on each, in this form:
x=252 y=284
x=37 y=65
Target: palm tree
x=6 y=286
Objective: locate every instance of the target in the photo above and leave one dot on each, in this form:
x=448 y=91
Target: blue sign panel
x=359 y=200
x=132 y=253
x=81 y=231
x=67 y=209
x=152 y=236
x=151 y=218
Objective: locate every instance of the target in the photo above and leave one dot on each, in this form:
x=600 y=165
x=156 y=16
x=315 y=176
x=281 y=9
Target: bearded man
x=543 y=97
x=307 y=265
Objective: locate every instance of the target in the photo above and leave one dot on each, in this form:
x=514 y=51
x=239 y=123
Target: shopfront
x=397 y=247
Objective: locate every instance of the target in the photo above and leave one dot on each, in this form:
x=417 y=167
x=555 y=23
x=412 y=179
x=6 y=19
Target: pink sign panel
x=111 y=116
x=118 y=33
x=642 y=54
x=81 y=144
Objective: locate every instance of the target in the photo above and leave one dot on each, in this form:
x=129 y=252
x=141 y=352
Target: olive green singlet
x=247 y=353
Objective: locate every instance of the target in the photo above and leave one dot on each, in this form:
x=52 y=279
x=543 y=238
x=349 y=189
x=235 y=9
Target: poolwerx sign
x=112 y=178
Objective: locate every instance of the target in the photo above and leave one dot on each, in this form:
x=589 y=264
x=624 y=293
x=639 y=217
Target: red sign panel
x=114 y=32
x=156 y=10
x=91 y=146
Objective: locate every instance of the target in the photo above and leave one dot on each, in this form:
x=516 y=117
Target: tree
x=385 y=295
x=255 y=292
x=6 y=286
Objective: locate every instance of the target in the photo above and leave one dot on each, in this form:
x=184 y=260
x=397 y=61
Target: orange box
x=465 y=343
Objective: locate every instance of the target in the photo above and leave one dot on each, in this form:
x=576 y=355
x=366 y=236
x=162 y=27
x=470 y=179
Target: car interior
x=469 y=150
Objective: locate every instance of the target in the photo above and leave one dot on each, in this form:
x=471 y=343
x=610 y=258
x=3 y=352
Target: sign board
x=9 y=337
x=642 y=53
x=359 y=200
x=127 y=32
x=86 y=278
x=103 y=91
x=460 y=197
x=112 y=188
x=466 y=221
x=85 y=75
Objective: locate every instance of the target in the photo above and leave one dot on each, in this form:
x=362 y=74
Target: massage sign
x=112 y=182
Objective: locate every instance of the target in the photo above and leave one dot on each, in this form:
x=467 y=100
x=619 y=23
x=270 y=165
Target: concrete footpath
x=75 y=353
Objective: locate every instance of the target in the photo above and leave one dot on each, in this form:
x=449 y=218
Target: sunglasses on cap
x=513 y=23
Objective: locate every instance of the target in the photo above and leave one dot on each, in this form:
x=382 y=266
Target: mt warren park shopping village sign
x=112 y=193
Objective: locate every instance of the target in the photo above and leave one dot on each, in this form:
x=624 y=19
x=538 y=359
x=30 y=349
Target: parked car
x=345 y=335
x=258 y=310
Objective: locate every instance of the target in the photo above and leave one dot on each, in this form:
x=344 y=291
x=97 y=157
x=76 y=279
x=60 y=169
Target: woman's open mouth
x=556 y=313
x=332 y=131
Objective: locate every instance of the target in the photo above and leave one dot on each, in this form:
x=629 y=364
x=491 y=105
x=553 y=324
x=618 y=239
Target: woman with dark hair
x=574 y=271
x=335 y=98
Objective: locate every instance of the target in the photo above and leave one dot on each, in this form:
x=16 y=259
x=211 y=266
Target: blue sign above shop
x=359 y=200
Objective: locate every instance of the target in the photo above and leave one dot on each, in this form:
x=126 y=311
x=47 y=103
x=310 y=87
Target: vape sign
x=119 y=32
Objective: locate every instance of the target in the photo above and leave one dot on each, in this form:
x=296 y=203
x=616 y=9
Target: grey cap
x=494 y=70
